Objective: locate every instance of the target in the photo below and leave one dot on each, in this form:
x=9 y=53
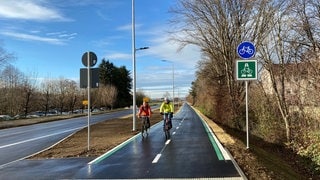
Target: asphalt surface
x=190 y=153
x=20 y=142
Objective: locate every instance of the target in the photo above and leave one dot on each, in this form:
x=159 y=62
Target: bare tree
x=62 y=90
x=5 y=58
x=72 y=94
x=10 y=90
x=107 y=95
x=28 y=89
x=218 y=27
x=47 y=95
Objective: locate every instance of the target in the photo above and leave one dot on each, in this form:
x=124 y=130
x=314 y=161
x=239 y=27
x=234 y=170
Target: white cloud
x=29 y=37
x=156 y=79
x=118 y=56
x=187 y=57
x=128 y=27
x=28 y=10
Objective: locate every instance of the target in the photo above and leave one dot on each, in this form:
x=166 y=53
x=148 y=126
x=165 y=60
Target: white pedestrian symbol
x=246 y=71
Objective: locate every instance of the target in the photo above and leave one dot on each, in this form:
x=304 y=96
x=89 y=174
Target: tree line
x=284 y=102
x=22 y=94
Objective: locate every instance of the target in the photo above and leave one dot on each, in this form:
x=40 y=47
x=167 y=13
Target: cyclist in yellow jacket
x=166 y=109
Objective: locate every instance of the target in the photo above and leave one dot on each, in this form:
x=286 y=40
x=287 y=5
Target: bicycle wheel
x=142 y=130
x=146 y=129
x=167 y=134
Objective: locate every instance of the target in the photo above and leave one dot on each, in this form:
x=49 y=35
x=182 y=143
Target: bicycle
x=145 y=126
x=167 y=125
x=246 y=50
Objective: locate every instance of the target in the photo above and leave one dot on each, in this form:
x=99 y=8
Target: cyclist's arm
x=161 y=108
x=150 y=112
x=140 y=110
x=171 y=108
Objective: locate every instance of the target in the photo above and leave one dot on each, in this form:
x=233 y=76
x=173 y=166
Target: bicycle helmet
x=146 y=99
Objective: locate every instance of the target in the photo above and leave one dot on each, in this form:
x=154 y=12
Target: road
x=18 y=143
x=192 y=152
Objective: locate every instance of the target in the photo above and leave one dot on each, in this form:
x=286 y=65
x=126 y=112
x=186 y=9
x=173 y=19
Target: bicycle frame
x=144 y=127
x=166 y=123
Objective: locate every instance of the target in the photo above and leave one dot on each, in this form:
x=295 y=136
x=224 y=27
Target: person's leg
x=148 y=122
x=164 y=122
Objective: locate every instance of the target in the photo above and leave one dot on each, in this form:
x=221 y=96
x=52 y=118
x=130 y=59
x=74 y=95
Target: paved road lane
x=20 y=142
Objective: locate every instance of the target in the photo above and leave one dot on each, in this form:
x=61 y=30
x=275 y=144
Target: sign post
x=246 y=70
x=89 y=59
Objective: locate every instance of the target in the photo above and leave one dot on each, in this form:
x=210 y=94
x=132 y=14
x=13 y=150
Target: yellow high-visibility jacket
x=166 y=107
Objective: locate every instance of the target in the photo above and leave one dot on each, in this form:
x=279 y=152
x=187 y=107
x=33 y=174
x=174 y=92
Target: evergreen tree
x=124 y=86
x=118 y=77
x=106 y=72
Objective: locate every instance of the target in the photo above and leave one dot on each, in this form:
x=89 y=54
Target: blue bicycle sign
x=246 y=50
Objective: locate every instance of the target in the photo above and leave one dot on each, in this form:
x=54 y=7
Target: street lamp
x=172 y=80
x=134 y=110
x=134 y=50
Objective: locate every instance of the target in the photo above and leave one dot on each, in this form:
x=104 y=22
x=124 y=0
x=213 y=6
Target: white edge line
x=222 y=149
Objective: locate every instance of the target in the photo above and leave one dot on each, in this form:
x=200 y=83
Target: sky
x=49 y=37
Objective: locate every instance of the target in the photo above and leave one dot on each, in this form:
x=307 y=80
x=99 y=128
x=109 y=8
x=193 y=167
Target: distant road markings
x=41 y=137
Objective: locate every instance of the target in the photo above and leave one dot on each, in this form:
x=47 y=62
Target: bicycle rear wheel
x=144 y=129
x=167 y=134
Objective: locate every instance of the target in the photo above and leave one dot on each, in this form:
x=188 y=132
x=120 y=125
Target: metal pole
x=89 y=104
x=247 y=118
x=134 y=69
x=164 y=60
x=173 y=84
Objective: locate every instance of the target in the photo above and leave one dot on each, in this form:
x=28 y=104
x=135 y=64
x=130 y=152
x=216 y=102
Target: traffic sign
x=246 y=50
x=92 y=59
x=85 y=102
x=246 y=70
x=94 y=77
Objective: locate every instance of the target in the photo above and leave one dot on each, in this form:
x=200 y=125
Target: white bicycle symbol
x=245 y=49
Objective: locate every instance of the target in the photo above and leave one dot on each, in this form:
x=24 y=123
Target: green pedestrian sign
x=246 y=70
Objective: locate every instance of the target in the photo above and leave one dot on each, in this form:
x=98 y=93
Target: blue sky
x=49 y=37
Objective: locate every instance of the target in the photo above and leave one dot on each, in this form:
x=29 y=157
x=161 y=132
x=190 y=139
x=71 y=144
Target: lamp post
x=134 y=110
x=134 y=50
x=172 y=79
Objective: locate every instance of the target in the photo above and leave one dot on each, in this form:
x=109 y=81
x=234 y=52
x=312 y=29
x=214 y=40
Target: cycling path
x=191 y=153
